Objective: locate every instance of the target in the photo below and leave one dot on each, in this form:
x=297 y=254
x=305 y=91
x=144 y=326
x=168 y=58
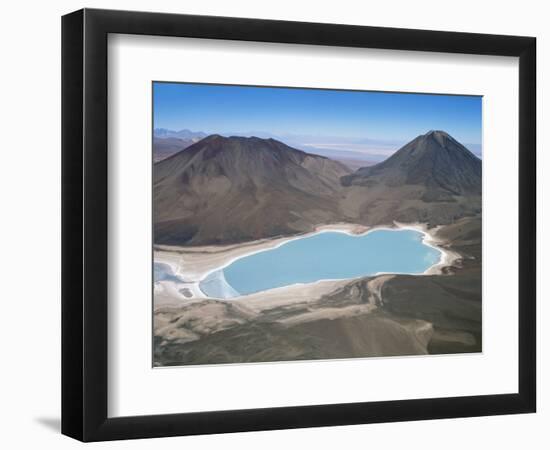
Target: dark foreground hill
x=225 y=190
x=430 y=314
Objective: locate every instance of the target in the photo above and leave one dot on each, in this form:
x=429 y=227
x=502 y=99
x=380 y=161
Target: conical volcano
x=433 y=179
x=434 y=160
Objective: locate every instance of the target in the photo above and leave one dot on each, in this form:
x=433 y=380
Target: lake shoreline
x=194 y=264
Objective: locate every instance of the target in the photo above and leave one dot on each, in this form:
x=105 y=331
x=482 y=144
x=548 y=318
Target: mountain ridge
x=181 y=134
x=224 y=190
x=233 y=189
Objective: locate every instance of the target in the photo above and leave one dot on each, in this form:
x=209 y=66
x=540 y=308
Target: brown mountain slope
x=434 y=160
x=224 y=190
x=432 y=179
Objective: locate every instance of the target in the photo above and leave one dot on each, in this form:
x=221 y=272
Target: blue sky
x=326 y=115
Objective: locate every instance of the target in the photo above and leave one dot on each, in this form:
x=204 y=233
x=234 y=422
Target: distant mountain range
x=223 y=190
x=353 y=152
x=181 y=134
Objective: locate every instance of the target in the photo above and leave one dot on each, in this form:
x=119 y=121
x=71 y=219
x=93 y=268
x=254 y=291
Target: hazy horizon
x=365 y=125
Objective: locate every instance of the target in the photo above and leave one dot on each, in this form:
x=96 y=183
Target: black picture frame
x=84 y=224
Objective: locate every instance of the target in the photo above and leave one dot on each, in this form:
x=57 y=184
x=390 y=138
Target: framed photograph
x=273 y=224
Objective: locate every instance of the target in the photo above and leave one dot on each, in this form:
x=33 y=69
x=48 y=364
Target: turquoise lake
x=323 y=256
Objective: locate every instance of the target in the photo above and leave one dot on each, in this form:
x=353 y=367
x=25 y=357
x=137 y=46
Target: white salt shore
x=193 y=264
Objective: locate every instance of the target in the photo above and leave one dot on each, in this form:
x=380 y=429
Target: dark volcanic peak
x=434 y=160
x=213 y=137
x=438 y=134
x=240 y=159
x=224 y=190
x=232 y=189
x=245 y=141
x=442 y=138
x=237 y=153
